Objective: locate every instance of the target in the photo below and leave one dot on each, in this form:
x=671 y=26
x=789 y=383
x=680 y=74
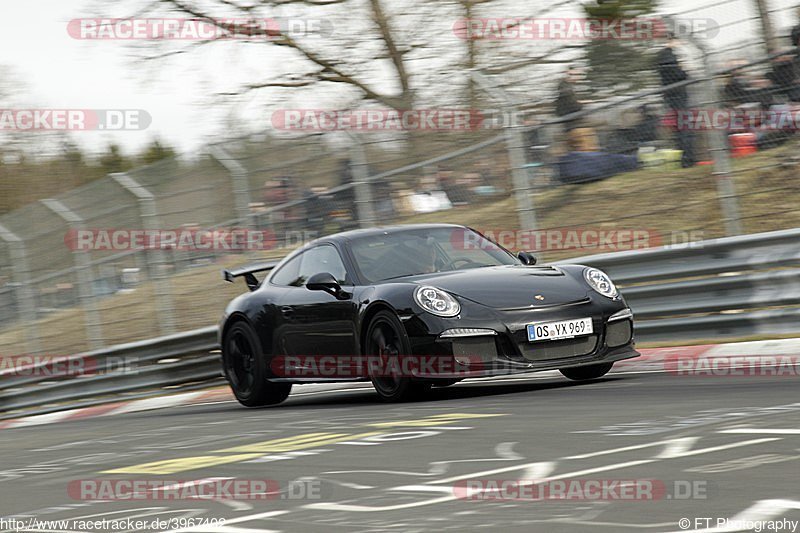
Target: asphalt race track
x=342 y=461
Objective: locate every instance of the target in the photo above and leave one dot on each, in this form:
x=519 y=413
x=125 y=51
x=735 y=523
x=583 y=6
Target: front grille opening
x=619 y=333
x=474 y=349
x=547 y=350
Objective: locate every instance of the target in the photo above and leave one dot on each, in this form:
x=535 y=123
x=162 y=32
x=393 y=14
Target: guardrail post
x=515 y=144
x=26 y=301
x=83 y=267
x=365 y=209
x=718 y=141
x=157 y=267
x=726 y=188
x=239 y=182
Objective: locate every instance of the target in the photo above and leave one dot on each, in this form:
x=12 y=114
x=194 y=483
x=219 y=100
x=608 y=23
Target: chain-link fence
x=137 y=255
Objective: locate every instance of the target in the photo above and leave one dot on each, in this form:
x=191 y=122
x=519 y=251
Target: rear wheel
x=385 y=339
x=585 y=373
x=245 y=368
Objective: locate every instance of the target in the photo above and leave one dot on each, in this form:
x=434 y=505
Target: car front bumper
x=504 y=347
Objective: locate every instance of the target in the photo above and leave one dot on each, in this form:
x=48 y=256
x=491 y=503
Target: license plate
x=566 y=329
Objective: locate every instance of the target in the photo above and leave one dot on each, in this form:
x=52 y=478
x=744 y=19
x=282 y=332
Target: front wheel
x=245 y=369
x=585 y=373
x=385 y=339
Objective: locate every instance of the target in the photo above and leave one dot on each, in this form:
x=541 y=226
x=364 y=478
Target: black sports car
x=410 y=307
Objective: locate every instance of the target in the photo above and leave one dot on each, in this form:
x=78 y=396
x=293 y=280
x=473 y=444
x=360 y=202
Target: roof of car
x=379 y=230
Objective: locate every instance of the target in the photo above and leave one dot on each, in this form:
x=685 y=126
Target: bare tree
x=363 y=52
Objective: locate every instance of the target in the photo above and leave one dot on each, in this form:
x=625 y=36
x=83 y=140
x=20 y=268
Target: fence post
x=83 y=267
x=239 y=182
x=148 y=214
x=365 y=209
x=25 y=296
x=515 y=144
x=718 y=142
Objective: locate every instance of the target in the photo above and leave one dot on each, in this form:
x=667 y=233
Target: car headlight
x=437 y=302
x=600 y=282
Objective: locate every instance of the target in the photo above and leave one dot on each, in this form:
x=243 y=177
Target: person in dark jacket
x=739 y=88
x=567 y=100
x=671 y=72
x=785 y=77
x=676 y=98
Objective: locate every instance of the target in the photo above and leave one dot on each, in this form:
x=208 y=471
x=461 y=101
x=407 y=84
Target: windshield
x=424 y=251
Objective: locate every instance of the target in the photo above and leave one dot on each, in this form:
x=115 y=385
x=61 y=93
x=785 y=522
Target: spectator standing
x=580 y=136
x=784 y=76
x=567 y=100
x=676 y=98
x=738 y=89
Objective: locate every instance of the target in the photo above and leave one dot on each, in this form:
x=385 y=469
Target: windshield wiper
x=407 y=276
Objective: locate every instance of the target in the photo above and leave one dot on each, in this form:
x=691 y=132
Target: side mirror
x=325 y=281
x=527 y=258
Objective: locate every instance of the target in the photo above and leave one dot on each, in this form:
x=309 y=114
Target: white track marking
x=678 y=447
x=424 y=488
x=37 y=420
x=367 y=508
x=760 y=431
x=667 y=443
x=719 y=448
x=674 y=448
x=533 y=471
x=393 y=472
x=237 y=505
x=504 y=450
x=159 y=402
x=452 y=497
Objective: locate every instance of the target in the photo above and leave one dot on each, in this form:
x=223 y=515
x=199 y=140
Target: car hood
x=509 y=287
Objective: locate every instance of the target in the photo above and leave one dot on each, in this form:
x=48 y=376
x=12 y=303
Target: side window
x=321 y=259
x=289 y=273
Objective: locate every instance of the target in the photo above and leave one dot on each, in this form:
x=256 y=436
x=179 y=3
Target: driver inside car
x=429 y=257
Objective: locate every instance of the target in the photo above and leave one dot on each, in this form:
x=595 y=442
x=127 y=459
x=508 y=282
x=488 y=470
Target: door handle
x=287 y=311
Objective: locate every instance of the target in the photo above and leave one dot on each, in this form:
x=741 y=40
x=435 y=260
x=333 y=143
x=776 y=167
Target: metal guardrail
x=721 y=289
x=728 y=288
x=180 y=359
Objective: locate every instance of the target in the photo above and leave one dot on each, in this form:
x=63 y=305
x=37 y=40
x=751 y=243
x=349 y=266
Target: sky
x=58 y=71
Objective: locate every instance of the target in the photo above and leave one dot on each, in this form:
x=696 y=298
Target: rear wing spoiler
x=248 y=273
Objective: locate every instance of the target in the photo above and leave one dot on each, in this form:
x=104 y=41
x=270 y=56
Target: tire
x=585 y=373
x=245 y=368
x=386 y=338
